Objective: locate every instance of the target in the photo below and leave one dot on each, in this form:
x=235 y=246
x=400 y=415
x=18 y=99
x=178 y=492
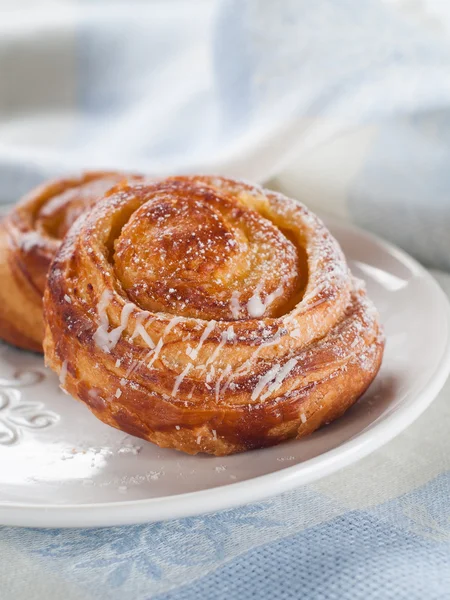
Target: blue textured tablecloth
x=344 y=104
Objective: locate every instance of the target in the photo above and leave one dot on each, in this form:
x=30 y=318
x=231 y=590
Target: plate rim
x=261 y=487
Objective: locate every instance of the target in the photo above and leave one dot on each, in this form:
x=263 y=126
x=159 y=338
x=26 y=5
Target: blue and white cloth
x=344 y=104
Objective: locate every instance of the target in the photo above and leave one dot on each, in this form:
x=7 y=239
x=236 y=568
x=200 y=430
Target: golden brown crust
x=30 y=236
x=257 y=335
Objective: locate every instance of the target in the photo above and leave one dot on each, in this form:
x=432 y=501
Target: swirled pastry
x=29 y=238
x=208 y=315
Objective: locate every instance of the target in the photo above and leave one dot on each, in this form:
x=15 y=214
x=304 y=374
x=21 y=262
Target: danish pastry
x=29 y=238
x=208 y=315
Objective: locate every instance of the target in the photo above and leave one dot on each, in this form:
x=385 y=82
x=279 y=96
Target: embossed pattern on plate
x=62 y=467
x=18 y=414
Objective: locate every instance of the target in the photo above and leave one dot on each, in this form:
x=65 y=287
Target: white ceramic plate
x=61 y=467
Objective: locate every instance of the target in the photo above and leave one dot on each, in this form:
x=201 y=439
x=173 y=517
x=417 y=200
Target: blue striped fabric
x=400 y=549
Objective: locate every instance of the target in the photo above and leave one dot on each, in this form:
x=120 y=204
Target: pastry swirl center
x=198 y=253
